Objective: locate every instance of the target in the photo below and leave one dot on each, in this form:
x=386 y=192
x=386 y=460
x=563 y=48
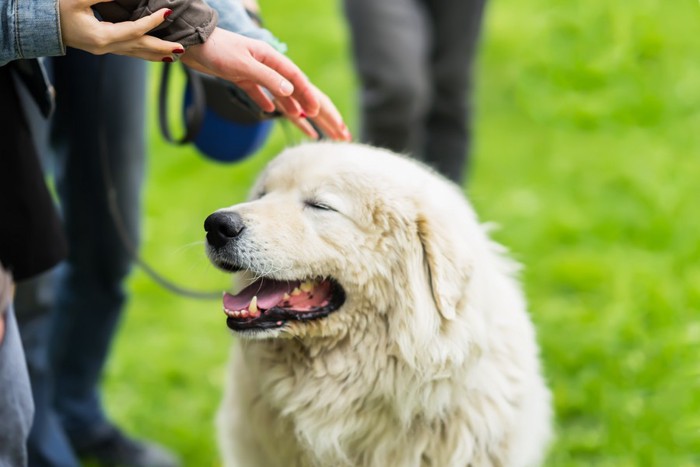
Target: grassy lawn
x=588 y=138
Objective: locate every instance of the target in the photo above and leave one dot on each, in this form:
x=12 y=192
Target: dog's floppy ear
x=447 y=257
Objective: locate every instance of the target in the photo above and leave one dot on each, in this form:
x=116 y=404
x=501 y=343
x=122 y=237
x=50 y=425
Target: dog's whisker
x=188 y=246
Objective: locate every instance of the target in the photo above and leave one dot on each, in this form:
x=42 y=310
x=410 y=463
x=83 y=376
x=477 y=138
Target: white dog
x=380 y=327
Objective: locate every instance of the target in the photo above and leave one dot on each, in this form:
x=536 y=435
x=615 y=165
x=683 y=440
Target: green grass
x=588 y=138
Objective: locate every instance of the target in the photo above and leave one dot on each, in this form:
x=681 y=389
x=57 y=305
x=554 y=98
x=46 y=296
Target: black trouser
x=415 y=61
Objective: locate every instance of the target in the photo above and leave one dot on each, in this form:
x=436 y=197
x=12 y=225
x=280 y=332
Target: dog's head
x=339 y=237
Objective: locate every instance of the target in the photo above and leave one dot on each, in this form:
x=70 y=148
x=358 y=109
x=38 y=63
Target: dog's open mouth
x=269 y=303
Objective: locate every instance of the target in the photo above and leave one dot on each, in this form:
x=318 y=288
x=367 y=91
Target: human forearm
x=82 y=30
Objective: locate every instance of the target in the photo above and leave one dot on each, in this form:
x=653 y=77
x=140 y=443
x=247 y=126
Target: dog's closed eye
x=315 y=204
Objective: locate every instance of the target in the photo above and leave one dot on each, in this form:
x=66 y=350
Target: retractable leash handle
x=219 y=118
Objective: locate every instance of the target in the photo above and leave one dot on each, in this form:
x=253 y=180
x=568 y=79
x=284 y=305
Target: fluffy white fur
x=431 y=361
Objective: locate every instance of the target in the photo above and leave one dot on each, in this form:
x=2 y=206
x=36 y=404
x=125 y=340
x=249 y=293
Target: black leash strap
x=194 y=113
x=114 y=212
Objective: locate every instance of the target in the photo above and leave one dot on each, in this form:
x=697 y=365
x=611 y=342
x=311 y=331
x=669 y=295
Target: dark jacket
x=31 y=235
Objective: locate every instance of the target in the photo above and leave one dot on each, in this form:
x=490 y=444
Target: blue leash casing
x=233 y=127
x=224 y=124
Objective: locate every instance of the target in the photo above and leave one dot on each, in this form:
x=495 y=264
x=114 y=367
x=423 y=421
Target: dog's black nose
x=223 y=227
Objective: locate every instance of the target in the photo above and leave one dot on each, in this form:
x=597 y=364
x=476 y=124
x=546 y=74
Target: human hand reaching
x=328 y=120
x=256 y=67
x=253 y=65
x=82 y=30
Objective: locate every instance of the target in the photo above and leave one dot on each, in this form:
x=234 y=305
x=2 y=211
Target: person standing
x=31 y=241
x=68 y=318
x=415 y=61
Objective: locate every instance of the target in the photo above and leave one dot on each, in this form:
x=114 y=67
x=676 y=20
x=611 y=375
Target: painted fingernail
x=167 y=13
x=168 y=59
x=286 y=87
x=178 y=51
x=302 y=114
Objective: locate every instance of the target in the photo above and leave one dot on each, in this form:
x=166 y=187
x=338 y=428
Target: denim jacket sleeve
x=233 y=17
x=29 y=29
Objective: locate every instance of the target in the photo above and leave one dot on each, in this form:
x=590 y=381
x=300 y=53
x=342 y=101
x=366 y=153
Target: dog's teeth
x=227 y=311
x=296 y=291
x=307 y=286
x=244 y=313
x=235 y=313
x=253 y=307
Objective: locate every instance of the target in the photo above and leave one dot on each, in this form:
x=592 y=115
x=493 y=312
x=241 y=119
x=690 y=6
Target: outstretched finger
x=150 y=48
x=306 y=127
x=329 y=120
x=258 y=95
x=289 y=106
x=298 y=119
x=285 y=78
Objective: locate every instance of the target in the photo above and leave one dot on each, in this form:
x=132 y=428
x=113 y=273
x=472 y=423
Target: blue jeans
x=68 y=318
x=15 y=400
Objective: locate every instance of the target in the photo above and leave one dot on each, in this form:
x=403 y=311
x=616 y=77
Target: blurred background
x=587 y=130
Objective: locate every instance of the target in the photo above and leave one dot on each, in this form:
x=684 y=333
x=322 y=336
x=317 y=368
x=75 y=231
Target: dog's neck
x=364 y=361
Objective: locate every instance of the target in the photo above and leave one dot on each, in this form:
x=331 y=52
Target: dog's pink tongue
x=269 y=294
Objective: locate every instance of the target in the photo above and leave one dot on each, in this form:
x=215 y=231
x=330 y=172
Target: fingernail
x=168 y=59
x=302 y=114
x=179 y=51
x=286 y=87
x=167 y=13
